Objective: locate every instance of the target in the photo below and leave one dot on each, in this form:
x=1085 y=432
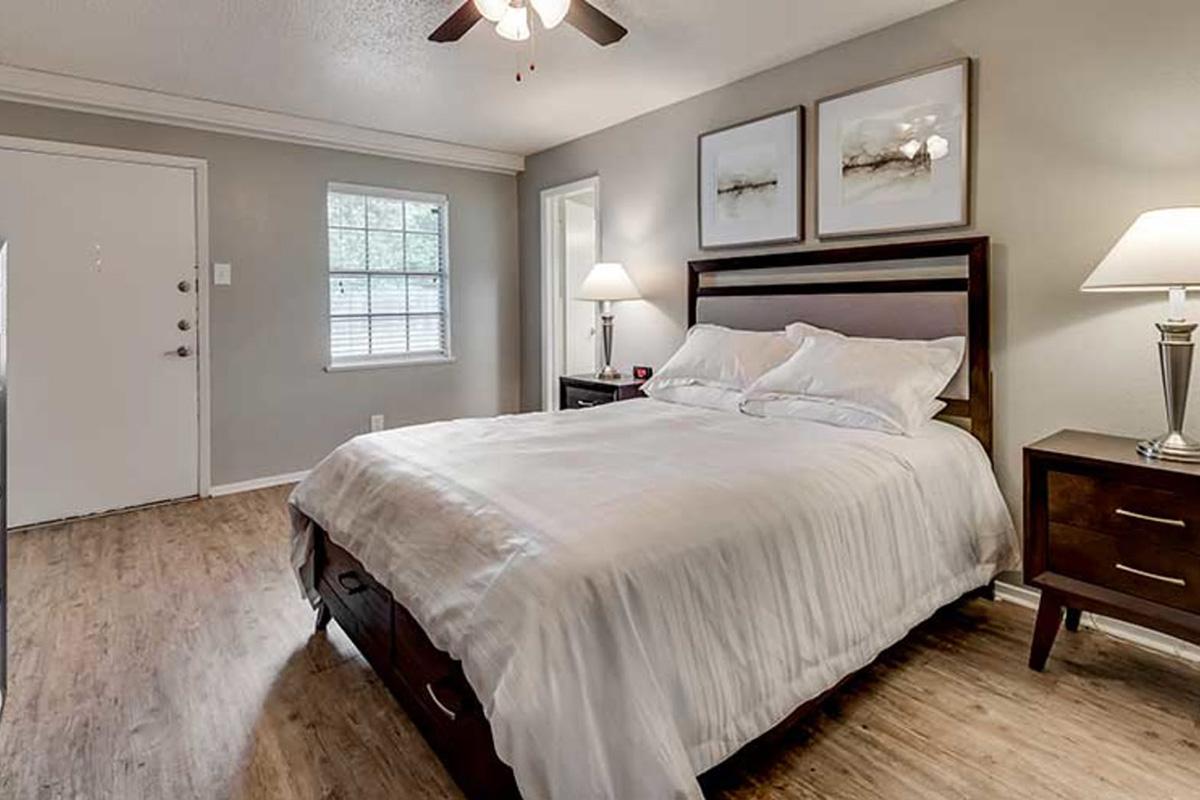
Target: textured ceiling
x=366 y=62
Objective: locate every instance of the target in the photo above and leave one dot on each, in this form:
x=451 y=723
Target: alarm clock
x=642 y=373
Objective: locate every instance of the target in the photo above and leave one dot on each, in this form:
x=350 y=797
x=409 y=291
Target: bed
x=611 y=602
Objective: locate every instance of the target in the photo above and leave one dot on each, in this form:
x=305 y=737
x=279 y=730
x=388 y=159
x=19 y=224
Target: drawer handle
x=441 y=707
x=1174 y=523
x=351 y=582
x=585 y=403
x=1152 y=576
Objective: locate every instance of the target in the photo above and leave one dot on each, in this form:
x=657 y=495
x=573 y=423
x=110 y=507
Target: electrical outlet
x=376 y=422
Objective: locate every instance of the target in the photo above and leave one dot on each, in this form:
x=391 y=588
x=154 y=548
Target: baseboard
x=1136 y=634
x=1018 y=595
x=257 y=483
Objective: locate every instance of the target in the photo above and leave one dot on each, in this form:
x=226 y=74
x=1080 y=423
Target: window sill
x=388 y=363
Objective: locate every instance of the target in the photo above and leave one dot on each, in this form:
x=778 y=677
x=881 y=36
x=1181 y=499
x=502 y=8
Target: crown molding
x=110 y=99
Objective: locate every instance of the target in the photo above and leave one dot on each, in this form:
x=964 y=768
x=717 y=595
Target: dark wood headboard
x=914 y=290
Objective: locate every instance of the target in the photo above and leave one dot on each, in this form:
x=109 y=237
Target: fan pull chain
x=532 y=56
x=532 y=49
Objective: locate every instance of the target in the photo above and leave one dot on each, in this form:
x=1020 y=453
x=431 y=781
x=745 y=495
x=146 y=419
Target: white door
x=579 y=316
x=570 y=248
x=102 y=366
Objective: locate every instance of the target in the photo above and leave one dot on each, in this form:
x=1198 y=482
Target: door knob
x=183 y=351
x=184 y=286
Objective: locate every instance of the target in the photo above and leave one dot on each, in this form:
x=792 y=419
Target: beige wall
x=274 y=409
x=1088 y=112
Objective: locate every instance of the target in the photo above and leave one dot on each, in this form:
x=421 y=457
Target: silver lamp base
x=1175 y=353
x=1171 y=447
x=606 y=326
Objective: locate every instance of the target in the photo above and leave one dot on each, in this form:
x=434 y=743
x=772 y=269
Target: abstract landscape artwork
x=750 y=182
x=894 y=157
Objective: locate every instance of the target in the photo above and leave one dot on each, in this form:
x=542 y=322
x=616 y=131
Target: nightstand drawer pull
x=585 y=403
x=1174 y=523
x=1152 y=576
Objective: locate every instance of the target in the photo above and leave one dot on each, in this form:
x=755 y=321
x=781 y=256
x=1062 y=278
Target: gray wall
x=1087 y=114
x=274 y=409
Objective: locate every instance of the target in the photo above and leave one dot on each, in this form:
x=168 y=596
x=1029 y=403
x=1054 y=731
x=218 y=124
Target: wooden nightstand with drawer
x=1109 y=531
x=585 y=391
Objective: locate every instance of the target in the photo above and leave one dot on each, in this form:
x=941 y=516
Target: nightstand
x=585 y=391
x=1109 y=531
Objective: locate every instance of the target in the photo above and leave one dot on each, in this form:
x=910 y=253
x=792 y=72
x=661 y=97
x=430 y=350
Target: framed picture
x=751 y=182
x=895 y=156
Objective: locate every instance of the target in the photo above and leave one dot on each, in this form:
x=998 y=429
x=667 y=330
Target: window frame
x=385 y=360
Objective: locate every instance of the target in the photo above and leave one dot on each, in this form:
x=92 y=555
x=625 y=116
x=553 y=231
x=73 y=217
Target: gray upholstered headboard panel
x=917 y=290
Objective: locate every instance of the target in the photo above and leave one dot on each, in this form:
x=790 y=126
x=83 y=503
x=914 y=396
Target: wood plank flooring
x=139 y=670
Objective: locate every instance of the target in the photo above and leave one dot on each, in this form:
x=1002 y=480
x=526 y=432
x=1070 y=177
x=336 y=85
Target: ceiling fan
x=512 y=19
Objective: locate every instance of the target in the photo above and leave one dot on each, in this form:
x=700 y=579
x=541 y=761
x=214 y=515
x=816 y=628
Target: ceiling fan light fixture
x=514 y=25
x=552 y=12
x=492 y=10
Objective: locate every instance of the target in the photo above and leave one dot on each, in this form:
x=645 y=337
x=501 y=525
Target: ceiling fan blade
x=457 y=24
x=594 y=23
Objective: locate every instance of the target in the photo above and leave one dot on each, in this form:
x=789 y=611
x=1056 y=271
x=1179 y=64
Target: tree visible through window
x=388 y=292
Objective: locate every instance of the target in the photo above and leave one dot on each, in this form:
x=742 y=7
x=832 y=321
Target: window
x=388 y=287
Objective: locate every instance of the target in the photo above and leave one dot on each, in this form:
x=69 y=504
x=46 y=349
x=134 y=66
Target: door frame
x=199 y=168
x=553 y=257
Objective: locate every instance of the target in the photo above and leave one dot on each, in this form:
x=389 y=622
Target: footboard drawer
x=445 y=707
x=429 y=684
x=361 y=606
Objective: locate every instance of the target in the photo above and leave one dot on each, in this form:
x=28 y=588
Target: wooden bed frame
x=430 y=685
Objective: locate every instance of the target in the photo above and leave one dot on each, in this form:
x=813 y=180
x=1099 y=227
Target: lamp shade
x=607 y=281
x=492 y=10
x=1160 y=251
x=514 y=25
x=551 y=12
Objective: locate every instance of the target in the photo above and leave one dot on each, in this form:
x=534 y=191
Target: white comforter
x=637 y=590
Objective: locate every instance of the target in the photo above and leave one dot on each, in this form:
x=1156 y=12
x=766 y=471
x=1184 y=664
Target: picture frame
x=895 y=156
x=750 y=181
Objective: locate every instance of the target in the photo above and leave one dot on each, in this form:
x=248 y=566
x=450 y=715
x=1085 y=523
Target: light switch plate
x=222 y=274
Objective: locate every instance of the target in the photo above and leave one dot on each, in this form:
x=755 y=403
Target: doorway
x=107 y=328
x=570 y=247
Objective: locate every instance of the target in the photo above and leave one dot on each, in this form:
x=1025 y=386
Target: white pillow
x=723 y=360
x=701 y=396
x=830 y=413
x=890 y=385
x=798 y=330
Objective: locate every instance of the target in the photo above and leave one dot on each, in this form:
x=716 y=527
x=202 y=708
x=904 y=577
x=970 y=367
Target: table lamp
x=606 y=283
x=1161 y=252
